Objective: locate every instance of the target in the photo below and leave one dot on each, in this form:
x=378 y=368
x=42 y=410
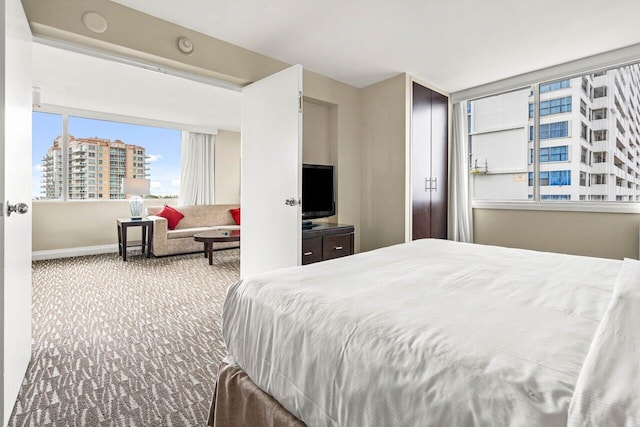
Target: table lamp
x=136 y=187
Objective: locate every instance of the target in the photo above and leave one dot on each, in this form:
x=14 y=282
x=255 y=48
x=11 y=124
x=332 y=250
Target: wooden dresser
x=326 y=241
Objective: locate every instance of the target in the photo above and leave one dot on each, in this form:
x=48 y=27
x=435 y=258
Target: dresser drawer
x=311 y=250
x=337 y=246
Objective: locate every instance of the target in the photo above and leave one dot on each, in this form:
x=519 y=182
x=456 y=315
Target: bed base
x=237 y=401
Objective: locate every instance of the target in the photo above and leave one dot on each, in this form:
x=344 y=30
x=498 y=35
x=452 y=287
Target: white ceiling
x=74 y=80
x=453 y=45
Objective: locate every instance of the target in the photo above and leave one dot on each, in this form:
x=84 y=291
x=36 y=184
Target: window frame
x=66 y=112
x=535 y=202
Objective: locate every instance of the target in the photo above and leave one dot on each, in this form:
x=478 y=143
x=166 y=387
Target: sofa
x=196 y=220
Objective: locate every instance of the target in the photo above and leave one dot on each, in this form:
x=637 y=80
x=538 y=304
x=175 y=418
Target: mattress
x=426 y=333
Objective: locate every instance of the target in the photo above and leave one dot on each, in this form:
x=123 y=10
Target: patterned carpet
x=125 y=344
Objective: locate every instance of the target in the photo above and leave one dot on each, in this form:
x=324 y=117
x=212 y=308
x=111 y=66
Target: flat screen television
x=318 y=199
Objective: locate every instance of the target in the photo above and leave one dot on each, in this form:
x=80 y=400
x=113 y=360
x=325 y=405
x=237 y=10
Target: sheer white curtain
x=460 y=214
x=196 y=169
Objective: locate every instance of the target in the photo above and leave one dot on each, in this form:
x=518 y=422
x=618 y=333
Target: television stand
x=308 y=225
x=326 y=241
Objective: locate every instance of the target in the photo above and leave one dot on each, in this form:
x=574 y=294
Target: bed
x=433 y=333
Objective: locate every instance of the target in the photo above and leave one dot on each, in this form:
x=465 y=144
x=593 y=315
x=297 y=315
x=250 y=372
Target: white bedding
x=608 y=389
x=428 y=333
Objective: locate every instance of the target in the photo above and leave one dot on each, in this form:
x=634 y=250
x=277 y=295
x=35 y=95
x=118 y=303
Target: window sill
x=604 y=207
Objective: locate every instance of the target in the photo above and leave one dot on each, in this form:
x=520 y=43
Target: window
x=552 y=178
x=599 y=114
x=554 y=106
x=555 y=197
x=600 y=135
x=554 y=130
x=157 y=151
x=552 y=154
x=582 y=150
x=599 y=92
x=600 y=157
x=583 y=181
x=584 y=155
x=560 y=84
x=585 y=85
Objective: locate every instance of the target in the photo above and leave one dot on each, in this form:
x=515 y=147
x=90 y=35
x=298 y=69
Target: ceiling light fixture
x=185 y=45
x=95 y=22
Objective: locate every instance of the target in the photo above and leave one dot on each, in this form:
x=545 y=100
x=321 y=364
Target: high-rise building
x=96 y=168
x=589 y=140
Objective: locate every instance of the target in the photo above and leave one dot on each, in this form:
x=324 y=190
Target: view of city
x=96 y=165
x=589 y=140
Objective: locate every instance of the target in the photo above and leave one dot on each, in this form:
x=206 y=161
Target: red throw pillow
x=172 y=215
x=235 y=213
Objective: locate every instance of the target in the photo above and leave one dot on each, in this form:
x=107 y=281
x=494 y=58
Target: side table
x=147 y=235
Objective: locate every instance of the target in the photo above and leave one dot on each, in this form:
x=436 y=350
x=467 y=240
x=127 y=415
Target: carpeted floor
x=125 y=344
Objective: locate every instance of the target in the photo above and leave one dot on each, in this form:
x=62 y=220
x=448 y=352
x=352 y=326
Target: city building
x=589 y=140
x=96 y=168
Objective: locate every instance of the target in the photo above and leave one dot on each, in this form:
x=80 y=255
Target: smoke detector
x=95 y=22
x=185 y=45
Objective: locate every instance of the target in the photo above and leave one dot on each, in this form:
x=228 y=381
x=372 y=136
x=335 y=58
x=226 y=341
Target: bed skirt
x=237 y=401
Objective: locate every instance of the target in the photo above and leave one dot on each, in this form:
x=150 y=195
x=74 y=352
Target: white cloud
x=153 y=157
x=175 y=183
x=38 y=167
x=155 y=184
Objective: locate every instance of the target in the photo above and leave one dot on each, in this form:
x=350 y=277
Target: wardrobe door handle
x=337 y=248
x=308 y=253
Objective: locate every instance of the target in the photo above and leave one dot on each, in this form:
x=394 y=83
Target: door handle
x=435 y=184
x=21 y=208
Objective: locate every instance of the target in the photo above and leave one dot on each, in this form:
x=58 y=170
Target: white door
x=271 y=153
x=15 y=188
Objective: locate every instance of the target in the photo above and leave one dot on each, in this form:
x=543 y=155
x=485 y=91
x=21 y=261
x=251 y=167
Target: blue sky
x=162 y=146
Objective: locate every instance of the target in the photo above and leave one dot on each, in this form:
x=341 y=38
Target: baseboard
x=71 y=252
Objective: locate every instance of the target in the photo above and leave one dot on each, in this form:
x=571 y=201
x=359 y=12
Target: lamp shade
x=136 y=186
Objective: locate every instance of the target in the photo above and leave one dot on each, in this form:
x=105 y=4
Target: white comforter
x=429 y=333
x=608 y=389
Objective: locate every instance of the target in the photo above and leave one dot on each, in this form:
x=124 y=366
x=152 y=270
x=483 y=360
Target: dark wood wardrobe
x=429 y=165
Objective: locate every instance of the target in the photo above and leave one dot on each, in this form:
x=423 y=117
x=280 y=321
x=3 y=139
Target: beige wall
x=606 y=235
x=384 y=145
x=227 y=168
x=319 y=145
x=136 y=34
x=344 y=110
x=77 y=224
x=61 y=19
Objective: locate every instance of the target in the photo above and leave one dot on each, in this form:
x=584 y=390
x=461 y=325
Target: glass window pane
x=500 y=146
x=123 y=150
x=587 y=153
x=46 y=156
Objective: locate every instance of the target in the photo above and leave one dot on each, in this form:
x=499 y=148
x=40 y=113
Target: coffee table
x=213 y=236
